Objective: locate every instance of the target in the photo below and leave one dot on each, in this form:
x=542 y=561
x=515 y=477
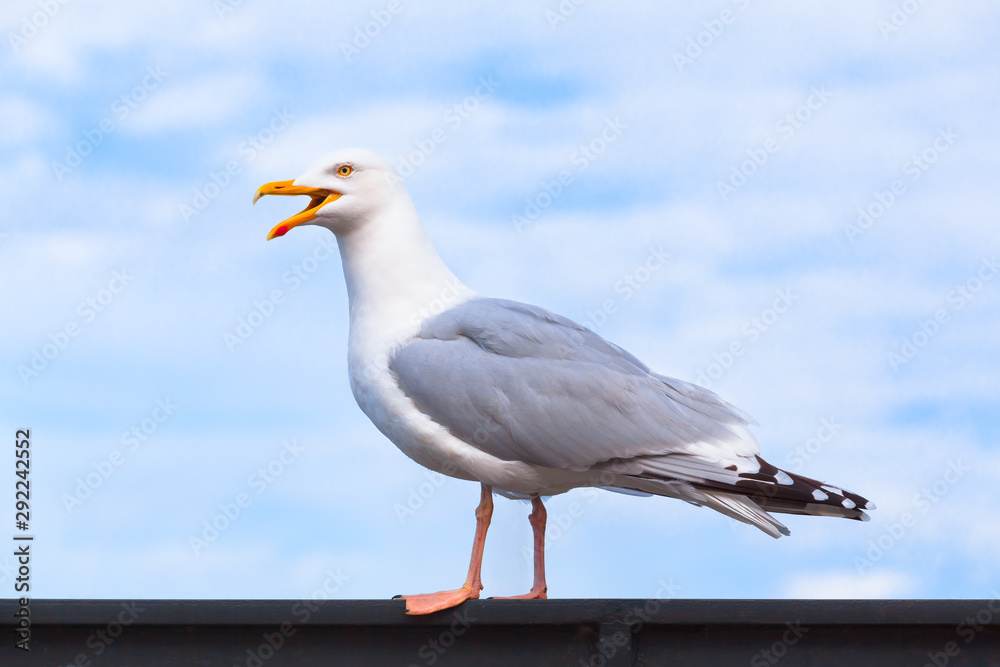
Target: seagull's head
x=345 y=189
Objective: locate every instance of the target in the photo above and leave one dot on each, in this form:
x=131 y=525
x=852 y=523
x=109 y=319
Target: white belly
x=427 y=442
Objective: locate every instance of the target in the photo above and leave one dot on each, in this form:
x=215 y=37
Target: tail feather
x=789 y=493
x=732 y=505
x=745 y=510
x=746 y=492
x=809 y=509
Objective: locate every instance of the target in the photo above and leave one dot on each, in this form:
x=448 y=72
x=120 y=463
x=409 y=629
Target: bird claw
x=428 y=603
x=533 y=594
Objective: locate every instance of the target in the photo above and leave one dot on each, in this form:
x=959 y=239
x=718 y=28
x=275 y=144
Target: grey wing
x=524 y=384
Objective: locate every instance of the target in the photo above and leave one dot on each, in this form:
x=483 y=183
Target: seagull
x=526 y=402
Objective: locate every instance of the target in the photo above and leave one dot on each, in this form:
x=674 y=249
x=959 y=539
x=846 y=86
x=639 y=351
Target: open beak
x=319 y=197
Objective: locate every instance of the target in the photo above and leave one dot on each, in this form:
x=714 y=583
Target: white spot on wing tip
x=783 y=479
x=832 y=489
x=819 y=495
x=848 y=503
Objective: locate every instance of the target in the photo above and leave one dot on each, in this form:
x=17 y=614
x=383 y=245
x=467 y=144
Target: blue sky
x=819 y=177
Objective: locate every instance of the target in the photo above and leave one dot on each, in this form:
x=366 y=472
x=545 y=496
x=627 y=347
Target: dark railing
x=530 y=633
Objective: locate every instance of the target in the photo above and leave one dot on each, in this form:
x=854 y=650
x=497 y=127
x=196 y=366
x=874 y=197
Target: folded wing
x=524 y=384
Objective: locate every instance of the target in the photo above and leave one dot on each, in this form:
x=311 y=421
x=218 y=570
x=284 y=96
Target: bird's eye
x=345 y=170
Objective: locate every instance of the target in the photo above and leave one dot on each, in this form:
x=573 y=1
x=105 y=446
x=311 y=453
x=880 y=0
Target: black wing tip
x=780 y=490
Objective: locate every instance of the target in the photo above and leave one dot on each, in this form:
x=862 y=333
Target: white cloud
x=198 y=103
x=24 y=120
x=848 y=586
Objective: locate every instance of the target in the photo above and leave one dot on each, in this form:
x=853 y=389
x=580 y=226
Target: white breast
x=424 y=440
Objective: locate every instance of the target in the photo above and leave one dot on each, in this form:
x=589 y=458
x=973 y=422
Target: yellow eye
x=345 y=170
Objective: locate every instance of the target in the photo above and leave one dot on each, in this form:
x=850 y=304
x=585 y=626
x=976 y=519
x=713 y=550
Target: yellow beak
x=319 y=197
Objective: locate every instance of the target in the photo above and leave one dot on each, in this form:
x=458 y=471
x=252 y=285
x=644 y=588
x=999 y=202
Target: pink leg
x=537 y=520
x=431 y=602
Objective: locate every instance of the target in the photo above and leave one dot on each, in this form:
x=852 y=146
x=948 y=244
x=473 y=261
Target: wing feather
x=551 y=393
x=524 y=384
